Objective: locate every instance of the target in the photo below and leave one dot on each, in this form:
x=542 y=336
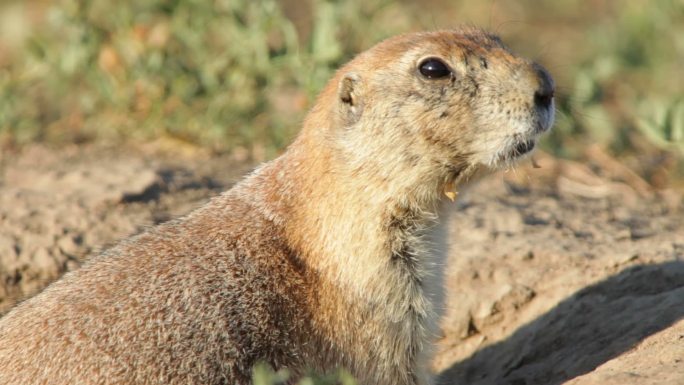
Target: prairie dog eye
x=434 y=68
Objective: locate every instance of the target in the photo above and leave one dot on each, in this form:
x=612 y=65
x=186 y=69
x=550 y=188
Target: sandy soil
x=561 y=274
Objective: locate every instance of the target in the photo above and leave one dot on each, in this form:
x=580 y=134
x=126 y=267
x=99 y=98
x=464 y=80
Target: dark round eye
x=433 y=68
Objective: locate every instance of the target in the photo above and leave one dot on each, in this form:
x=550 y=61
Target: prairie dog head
x=438 y=103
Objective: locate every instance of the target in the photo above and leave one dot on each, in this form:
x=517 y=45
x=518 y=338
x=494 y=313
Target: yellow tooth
x=450 y=191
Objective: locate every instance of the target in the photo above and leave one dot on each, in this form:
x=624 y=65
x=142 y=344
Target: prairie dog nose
x=543 y=96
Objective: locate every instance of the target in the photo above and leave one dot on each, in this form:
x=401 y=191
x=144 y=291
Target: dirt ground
x=568 y=273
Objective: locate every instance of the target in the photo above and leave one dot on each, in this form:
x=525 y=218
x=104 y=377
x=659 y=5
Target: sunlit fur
x=328 y=256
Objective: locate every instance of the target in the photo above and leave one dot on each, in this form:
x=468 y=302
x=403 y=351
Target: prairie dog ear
x=350 y=101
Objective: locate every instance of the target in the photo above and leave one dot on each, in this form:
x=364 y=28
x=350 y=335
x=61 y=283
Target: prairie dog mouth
x=523 y=148
x=518 y=150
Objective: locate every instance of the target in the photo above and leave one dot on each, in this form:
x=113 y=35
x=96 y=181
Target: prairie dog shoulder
x=319 y=258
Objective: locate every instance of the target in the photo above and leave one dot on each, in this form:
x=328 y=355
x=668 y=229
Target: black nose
x=543 y=96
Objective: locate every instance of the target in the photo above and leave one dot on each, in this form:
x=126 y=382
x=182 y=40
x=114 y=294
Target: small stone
x=43 y=262
x=68 y=246
x=528 y=256
x=8 y=251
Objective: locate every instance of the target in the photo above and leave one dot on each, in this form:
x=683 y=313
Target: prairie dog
x=320 y=259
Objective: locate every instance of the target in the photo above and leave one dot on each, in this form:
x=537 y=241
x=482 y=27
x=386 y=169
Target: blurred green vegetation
x=235 y=74
x=629 y=87
x=223 y=74
x=264 y=375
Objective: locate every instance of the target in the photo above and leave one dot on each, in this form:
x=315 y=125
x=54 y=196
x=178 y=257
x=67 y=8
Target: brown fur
x=320 y=259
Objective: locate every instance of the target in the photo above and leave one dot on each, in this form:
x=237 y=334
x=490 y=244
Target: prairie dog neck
x=366 y=229
x=376 y=244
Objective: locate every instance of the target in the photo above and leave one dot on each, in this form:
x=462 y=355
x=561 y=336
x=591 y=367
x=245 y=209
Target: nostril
x=543 y=97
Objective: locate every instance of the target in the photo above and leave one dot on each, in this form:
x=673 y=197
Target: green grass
x=237 y=74
x=264 y=375
x=221 y=74
x=630 y=80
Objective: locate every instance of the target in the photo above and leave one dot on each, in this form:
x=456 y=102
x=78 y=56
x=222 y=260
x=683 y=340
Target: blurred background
x=238 y=76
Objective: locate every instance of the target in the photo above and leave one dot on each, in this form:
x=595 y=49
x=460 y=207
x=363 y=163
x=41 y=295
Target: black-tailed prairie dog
x=321 y=258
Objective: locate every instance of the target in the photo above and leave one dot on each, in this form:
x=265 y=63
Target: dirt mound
x=556 y=274
x=548 y=283
x=57 y=207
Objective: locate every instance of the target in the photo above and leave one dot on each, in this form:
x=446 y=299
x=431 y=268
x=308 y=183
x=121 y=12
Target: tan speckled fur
x=325 y=257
